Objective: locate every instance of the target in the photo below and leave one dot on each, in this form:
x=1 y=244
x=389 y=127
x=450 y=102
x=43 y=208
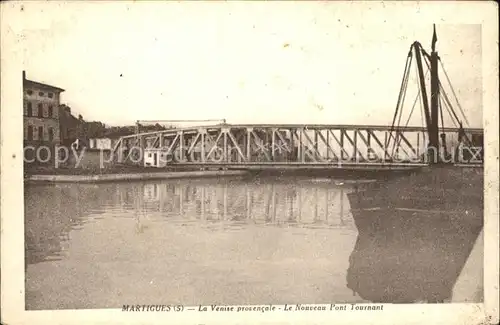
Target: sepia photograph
x=236 y=157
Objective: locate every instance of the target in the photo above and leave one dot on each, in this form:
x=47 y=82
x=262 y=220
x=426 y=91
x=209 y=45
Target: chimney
x=24 y=75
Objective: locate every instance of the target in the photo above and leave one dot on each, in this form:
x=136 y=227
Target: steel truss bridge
x=295 y=146
x=282 y=146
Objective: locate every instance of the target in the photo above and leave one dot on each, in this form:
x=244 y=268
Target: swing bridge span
x=291 y=146
x=312 y=146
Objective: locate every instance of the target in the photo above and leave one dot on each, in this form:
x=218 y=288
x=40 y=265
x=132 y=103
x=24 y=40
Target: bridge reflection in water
x=226 y=241
x=303 y=203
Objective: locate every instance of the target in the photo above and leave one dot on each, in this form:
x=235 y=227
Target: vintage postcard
x=249 y=162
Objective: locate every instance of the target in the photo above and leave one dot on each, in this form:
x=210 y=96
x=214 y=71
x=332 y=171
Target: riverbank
x=119 y=174
x=131 y=173
x=93 y=170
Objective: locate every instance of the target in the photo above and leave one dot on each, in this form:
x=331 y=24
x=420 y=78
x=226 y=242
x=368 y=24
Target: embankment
x=61 y=178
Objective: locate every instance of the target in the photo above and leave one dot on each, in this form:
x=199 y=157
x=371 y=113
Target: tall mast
x=421 y=77
x=434 y=125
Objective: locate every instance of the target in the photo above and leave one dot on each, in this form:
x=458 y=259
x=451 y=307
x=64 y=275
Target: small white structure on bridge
x=155 y=157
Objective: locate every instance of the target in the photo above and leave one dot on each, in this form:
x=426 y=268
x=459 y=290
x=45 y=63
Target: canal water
x=190 y=242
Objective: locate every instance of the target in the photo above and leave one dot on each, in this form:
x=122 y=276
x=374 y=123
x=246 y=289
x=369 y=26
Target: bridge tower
x=434 y=127
x=432 y=112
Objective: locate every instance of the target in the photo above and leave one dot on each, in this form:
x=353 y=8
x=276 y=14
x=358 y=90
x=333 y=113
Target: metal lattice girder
x=243 y=144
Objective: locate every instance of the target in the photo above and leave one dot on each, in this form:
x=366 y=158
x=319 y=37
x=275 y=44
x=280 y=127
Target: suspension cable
x=401 y=90
x=412 y=109
x=453 y=92
x=422 y=115
x=447 y=100
x=413 y=106
x=416 y=99
x=459 y=126
x=399 y=139
x=447 y=104
x=441 y=113
x=401 y=107
x=449 y=111
x=403 y=99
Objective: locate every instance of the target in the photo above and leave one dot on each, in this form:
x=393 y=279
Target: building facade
x=41 y=113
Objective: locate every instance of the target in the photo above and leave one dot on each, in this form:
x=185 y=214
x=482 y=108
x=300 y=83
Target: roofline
x=43 y=85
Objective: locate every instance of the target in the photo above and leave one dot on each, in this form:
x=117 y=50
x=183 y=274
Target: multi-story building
x=41 y=113
x=41 y=120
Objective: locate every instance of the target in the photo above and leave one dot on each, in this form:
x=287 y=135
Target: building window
x=30 y=109
x=50 y=111
x=51 y=134
x=41 y=94
x=40 y=110
x=40 y=133
x=50 y=95
x=29 y=92
x=30 y=132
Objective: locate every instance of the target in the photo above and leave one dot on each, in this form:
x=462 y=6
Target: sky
x=248 y=63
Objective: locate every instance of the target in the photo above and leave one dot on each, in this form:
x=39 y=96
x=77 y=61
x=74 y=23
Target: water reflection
x=51 y=212
x=279 y=240
x=413 y=248
x=274 y=203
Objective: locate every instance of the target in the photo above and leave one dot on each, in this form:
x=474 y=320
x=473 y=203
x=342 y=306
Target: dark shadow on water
x=414 y=236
